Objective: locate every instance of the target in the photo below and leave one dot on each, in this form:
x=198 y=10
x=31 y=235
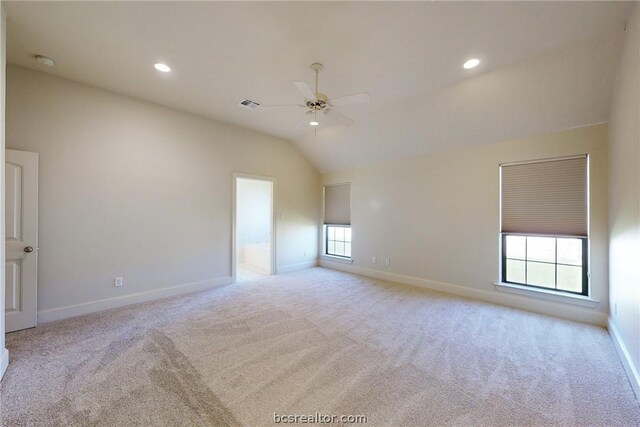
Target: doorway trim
x=234 y=189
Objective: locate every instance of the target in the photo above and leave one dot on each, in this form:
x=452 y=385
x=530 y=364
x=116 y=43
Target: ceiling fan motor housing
x=320 y=103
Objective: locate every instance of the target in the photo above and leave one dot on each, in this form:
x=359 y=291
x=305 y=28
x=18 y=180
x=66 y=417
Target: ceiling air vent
x=249 y=104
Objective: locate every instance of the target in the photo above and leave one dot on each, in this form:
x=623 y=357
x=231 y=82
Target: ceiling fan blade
x=357 y=98
x=283 y=105
x=338 y=118
x=305 y=90
x=304 y=119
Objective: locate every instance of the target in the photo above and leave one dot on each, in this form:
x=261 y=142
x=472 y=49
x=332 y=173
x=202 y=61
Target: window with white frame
x=337 y=220
x=545 y=224
x=338 y=240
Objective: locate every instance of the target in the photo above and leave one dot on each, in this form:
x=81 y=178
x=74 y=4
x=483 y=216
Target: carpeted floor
x=315 y=341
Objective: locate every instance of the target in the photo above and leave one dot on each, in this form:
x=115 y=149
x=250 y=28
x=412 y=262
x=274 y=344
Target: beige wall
x=437 y=217
x=133 y=189
x=624 y=196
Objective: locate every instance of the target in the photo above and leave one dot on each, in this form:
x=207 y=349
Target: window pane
x=570 y=251
x=541 y=274
x=516 y=247
x=339 y=241
x=515 y=271
x=541 y=249
x=570 y=278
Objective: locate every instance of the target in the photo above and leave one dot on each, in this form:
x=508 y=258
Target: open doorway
x=253 y=248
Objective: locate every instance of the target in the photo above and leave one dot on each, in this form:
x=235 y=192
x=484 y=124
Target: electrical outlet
x=117 y=282
x=305 y=254
x=387 y=261
x=615 y=308
x=373 y=260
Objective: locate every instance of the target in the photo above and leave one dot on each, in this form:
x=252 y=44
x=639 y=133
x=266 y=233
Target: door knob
x=28 y=249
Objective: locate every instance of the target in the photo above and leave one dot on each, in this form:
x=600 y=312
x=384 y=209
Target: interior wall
x=133 y=189
x=624 y=196
x=4 y=355
x=253 y=225
x=437 y=217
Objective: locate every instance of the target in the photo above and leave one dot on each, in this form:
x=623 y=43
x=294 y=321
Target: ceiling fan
x=320 y=105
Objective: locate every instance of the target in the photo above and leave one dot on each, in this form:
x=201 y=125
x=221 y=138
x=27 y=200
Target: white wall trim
x=333 y=258
x=550 y=308
x=4 y=362
x=532 y=292
x=120 y=301
x=625 y=357
x=4 y=354
x=284 y=269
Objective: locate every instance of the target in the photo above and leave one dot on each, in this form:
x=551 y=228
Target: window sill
x=337 y=259
x=547 y=294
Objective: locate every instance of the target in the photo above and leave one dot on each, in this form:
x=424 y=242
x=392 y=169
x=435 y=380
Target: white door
x=21 y=225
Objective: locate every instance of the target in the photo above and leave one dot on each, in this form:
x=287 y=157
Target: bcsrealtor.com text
x=318 y=418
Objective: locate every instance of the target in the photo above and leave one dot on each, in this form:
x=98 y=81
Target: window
x=544 y=217
x=338 y=240
x=337 y=220
x=558 y=263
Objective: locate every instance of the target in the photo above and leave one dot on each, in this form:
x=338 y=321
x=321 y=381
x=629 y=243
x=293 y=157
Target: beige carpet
x=315 y=341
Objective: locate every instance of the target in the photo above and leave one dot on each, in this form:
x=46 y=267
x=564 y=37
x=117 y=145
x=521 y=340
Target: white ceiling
x=545 y=66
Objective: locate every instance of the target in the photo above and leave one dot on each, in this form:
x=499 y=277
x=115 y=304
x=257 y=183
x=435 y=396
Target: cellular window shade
x=337 y=204
x=548 y=197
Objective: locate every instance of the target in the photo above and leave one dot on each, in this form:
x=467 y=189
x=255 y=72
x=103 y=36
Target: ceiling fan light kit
x=317 y=103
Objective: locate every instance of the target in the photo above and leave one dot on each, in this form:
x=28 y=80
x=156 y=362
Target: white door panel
x=21 y=228
x=12 y=280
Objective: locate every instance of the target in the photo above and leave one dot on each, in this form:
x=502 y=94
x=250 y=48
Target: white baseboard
x=284 y=269
x=550 y=308
x=625 y=357
x=4 y=362
x=120 y=301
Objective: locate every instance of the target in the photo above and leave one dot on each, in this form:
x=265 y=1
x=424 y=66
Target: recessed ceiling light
x=314 y=123
x=162 y=67
x=45 y=60
x=472 y=63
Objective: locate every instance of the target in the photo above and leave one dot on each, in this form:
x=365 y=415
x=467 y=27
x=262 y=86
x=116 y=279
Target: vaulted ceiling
x=545 y=65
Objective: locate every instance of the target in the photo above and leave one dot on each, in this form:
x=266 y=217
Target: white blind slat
x=337 y=204
x=546 y=197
